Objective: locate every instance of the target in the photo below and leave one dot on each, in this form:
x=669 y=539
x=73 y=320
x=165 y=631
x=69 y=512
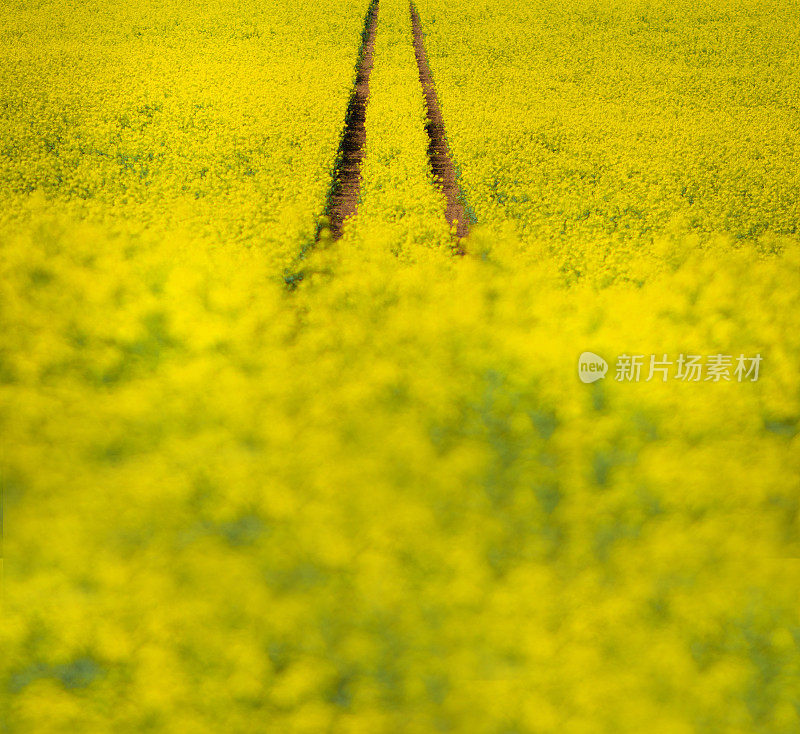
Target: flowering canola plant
x=595 y=126
x=177 y=116
x=382 y=500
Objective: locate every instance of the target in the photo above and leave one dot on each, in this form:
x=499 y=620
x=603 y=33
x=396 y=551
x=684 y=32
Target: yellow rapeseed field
x=594 y=126
x=255 y=485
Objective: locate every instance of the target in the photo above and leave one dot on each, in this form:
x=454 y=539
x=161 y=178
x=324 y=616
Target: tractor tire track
x=441 y=163
x=343 y=197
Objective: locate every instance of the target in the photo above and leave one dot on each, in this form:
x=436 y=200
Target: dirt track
x=438 y=152
x=343 y=200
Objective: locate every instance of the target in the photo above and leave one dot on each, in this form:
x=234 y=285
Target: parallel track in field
x=345 y=187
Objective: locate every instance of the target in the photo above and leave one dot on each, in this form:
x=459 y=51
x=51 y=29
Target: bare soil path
x=438 y=153
x=343 y=199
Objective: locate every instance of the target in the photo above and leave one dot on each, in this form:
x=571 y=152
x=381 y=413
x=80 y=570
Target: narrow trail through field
x=343 y=199
x=438 y=153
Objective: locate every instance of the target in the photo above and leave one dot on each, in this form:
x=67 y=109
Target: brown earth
x=438 y=153
x=343 y=199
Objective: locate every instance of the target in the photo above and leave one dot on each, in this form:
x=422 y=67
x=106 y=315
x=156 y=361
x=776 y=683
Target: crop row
x=598 y=127
x=177 y=118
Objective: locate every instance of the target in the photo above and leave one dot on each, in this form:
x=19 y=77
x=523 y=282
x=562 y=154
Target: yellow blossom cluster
x=177 y=115
x=383 y=500
x=593 y=126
